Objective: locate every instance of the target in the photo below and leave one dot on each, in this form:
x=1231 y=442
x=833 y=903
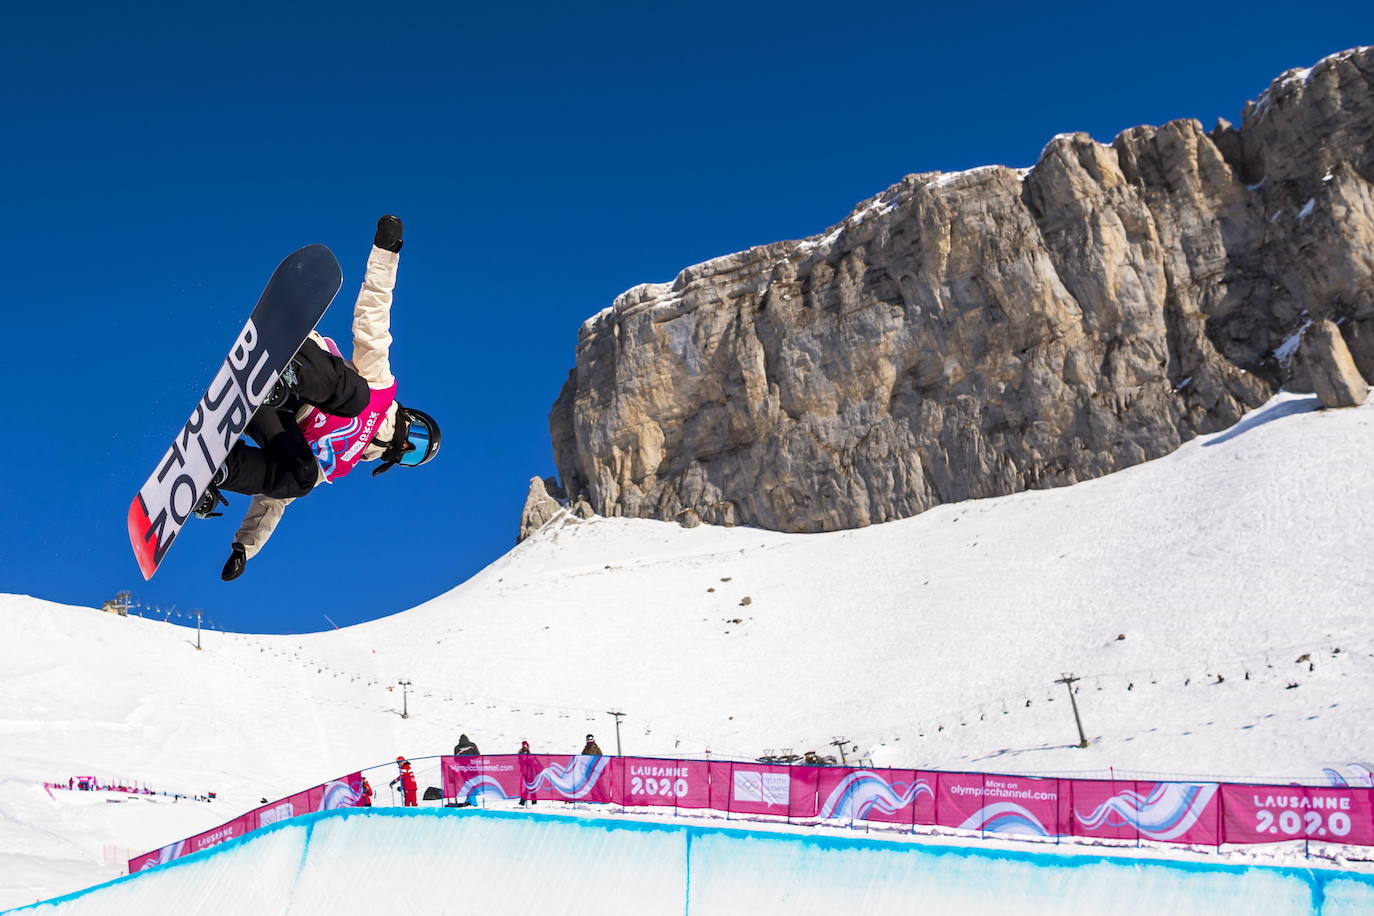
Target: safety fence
x=1191 y=813
x=344 y=792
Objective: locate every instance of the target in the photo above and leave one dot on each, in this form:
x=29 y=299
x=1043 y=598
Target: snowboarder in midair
x=325 y=415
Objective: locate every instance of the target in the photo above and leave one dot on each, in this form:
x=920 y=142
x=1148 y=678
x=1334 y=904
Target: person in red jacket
x=407 y=781
x=365 y=800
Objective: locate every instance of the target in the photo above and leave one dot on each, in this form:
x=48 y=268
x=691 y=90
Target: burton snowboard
x=296 y=297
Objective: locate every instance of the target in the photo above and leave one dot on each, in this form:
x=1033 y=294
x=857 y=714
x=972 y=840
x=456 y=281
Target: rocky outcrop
x=1331 y=368
x=540 y=506
x=981 y=333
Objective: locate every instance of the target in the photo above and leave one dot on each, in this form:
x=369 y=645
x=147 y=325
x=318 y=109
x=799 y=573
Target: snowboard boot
x=388 y=236
x=283 y=387
x=205 y=506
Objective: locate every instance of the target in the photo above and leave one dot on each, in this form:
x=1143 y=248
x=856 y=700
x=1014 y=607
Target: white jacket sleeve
x=372 y=319
x=260 y=521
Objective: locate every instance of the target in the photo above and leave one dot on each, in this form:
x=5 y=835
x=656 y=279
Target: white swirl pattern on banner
x=1005 y=817
x=573 y=780
x=862 y=791
x=339 y=794
x=479 y=786
x=165 y=855
x=1167 y=811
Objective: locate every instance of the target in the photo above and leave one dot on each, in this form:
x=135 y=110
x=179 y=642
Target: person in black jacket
x=465 y=748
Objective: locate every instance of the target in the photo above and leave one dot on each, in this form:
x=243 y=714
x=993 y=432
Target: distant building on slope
x=119 y=604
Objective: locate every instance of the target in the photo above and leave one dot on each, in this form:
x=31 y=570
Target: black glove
x=388 y=235
x=233 y=567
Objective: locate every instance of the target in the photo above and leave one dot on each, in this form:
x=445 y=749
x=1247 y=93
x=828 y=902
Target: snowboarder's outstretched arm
x=372 y=312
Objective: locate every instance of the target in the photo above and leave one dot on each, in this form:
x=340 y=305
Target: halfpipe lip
x=1067 y=858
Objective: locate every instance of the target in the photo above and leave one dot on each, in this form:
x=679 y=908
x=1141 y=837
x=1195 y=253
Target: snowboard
x=296 y=296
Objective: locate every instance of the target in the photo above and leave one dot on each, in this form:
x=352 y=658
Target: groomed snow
x=922 y=641
x=482 y=862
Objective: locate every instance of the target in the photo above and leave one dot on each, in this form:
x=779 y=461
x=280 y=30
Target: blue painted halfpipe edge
x=1316 y=877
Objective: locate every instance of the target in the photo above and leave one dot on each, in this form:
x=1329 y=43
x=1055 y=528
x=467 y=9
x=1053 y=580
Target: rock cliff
x=976 y=334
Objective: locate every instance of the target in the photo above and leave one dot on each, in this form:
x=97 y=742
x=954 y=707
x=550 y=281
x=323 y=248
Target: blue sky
x=162 y=158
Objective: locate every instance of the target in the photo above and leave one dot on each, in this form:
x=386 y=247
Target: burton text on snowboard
x=296 y=297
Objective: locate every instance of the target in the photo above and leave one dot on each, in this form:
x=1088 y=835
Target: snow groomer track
x=446 y=860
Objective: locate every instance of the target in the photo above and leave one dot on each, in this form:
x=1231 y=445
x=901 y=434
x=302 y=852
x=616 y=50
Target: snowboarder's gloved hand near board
x=326 y=415
x=233 y=567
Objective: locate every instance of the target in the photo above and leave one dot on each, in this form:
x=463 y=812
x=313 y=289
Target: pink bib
x=339 y=442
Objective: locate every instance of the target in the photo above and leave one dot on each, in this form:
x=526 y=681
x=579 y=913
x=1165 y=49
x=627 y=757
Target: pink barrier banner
x=806 y=783
x=763 y=788
x=1016 y=805
x=576 y=777
x=475 y=779
x=1164 y=812
x=558 y=777
x=344 y=792
x=1195 y=813
x=889 y=796
x=1269 y=814
x=680 y=783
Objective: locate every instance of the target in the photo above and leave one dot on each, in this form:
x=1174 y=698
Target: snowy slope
x=922 y=641
x=1237 y=552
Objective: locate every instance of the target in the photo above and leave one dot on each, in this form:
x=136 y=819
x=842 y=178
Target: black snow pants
x=282 y=465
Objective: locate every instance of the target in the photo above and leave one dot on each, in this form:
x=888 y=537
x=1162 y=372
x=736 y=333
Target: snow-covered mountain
x=1214 y=603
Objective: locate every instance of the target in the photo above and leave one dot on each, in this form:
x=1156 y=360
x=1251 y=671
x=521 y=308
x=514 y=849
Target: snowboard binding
x=283 y=387
x=205 y=506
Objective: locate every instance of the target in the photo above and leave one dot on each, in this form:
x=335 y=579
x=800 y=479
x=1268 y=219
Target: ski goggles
x=422 y=445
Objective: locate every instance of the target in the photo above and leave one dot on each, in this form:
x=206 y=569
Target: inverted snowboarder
x=325 y=415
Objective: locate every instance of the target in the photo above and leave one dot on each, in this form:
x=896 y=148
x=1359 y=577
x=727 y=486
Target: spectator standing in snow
x=365 y=799
x=407 y=781
x=465 y=748
x=529 y=772
x=591 y=748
